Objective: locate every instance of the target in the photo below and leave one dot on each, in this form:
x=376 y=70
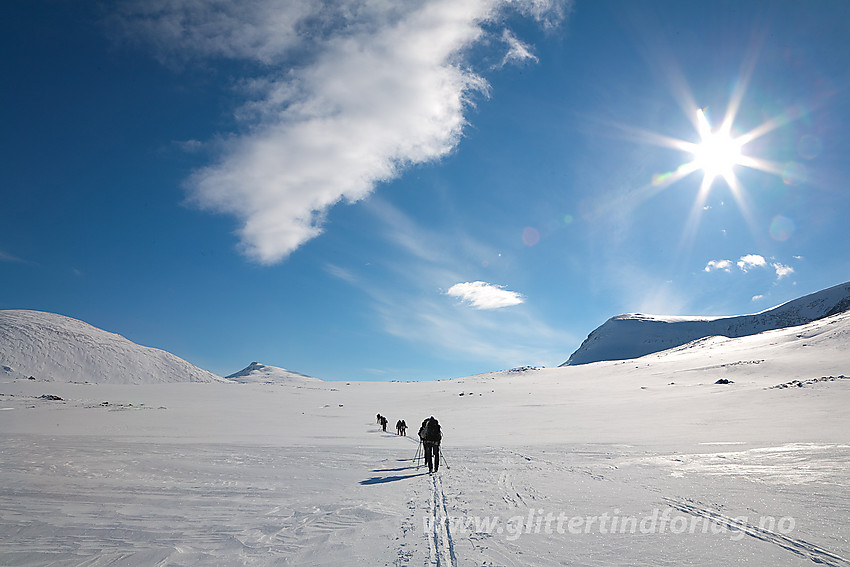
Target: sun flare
x=718 y=152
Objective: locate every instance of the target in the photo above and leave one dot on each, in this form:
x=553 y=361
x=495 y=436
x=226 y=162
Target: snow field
x=296 y=472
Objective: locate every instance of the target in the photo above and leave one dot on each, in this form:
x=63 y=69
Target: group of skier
x=430 y=437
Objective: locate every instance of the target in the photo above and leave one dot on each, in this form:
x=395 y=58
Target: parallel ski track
x=808 y=550
x=441 y=552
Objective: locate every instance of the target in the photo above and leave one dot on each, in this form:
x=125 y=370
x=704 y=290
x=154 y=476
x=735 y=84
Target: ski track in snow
x=441 y=551
x=109 y=503
x=801 y=547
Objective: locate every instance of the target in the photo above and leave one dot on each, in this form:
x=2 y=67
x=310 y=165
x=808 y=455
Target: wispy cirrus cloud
x=343 y=96
x=483 y=295
x=409 y=298
x=6 y=257
x=518 y=51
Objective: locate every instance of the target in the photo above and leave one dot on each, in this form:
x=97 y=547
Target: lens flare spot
x=568 y=219
x=781 y=228
x=658 y=179
x=530 y=236
x=809 y=147
x=794 y=173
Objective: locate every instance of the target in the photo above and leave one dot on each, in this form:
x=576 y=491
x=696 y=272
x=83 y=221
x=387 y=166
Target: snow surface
x=256 y=372
x=634 y=334
x=53 y=347
x=298 y=473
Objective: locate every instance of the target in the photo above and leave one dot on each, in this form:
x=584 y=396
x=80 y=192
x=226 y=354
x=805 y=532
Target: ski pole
x=443 y=456
x=418 y=450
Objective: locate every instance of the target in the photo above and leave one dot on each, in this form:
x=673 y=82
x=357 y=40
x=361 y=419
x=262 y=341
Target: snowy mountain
x=51 y=347
x=633 y=335
x=260 y=373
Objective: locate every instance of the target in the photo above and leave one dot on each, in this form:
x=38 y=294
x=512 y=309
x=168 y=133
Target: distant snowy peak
x=260 y=373
x=53 y=347
x=633 y=335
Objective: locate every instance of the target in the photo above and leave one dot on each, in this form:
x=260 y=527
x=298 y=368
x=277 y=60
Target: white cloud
x=517 y=50
x=482 y=295
x=348 y=95
x=724 y=265
x=757 y=298
x=782 y=270
x=751 y=261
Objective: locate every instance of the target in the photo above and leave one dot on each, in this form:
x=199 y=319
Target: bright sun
x=717 y=152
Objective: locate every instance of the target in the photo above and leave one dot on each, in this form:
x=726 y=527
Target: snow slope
x=695 y=473
x=53 y=347
x=260 y=373
x=633 y=335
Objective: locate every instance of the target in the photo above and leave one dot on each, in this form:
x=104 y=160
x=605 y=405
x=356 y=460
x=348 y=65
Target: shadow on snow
x=384 y=479
x=396 y=470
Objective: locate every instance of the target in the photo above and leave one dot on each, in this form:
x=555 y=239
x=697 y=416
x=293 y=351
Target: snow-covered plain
x=633 y=462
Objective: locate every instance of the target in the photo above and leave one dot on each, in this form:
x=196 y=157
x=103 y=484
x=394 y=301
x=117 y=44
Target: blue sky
x=415 y=190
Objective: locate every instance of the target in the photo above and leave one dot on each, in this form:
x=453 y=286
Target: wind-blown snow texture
x=633 y=335
x=53 y=347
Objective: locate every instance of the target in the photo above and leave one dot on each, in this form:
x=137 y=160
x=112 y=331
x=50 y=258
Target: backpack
x=431 y=431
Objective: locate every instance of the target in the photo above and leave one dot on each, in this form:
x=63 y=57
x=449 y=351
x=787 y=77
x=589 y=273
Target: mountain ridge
x=633 y=335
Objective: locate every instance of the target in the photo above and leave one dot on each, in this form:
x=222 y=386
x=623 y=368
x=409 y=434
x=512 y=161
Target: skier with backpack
x=430 y=435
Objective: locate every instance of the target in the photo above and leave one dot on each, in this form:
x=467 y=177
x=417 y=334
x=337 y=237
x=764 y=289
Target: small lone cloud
x=482 y=295
x=757 y=298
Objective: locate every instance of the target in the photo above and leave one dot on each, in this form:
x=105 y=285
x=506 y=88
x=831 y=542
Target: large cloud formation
x=344 y=96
